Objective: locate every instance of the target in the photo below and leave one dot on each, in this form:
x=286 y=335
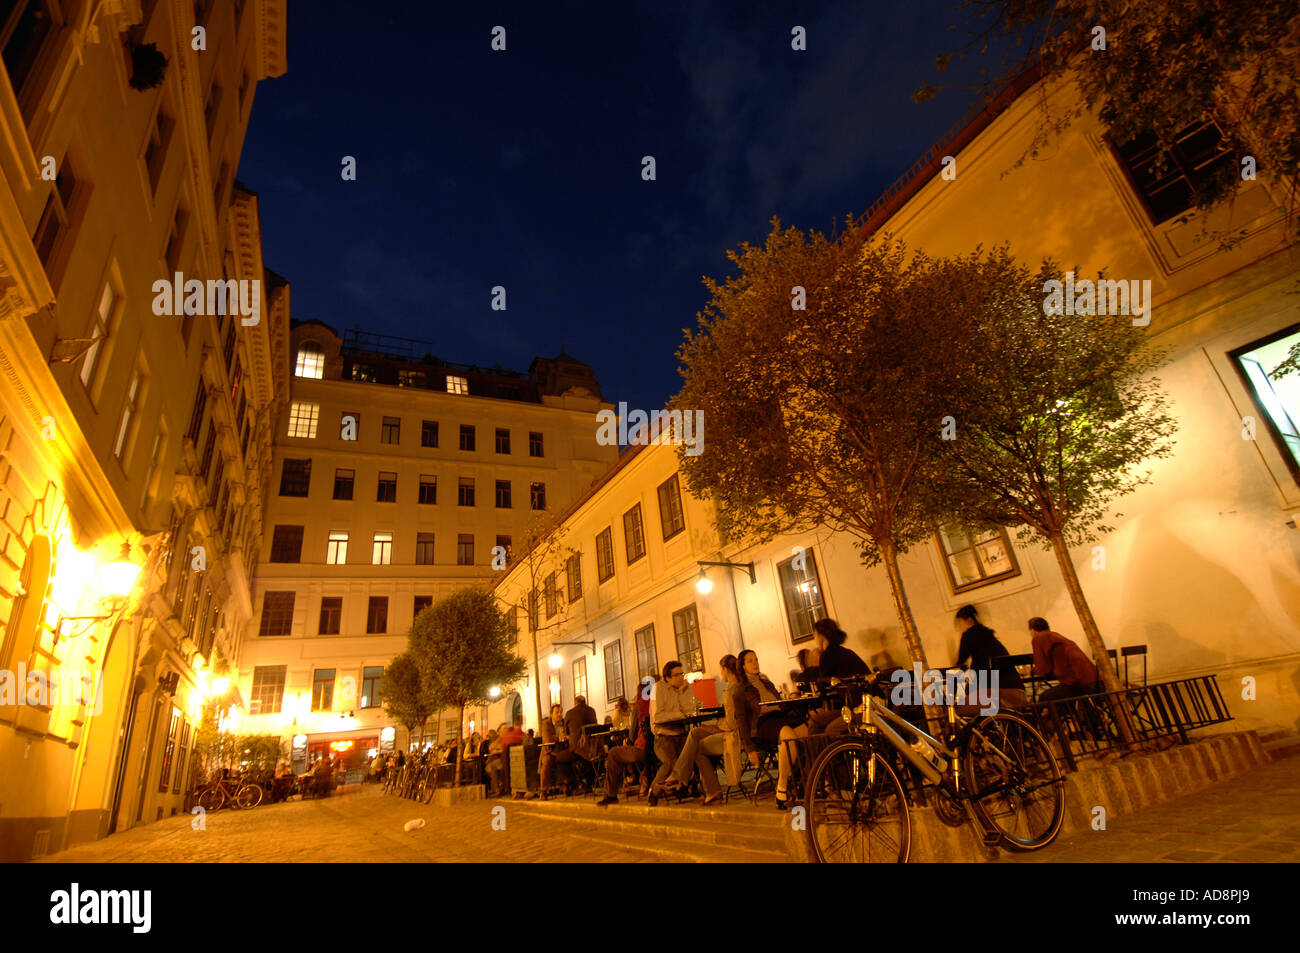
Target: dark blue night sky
x=523 y=168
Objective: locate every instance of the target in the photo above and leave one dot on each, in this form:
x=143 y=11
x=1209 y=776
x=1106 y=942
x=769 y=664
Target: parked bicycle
x=996 y=770
x=236 y=791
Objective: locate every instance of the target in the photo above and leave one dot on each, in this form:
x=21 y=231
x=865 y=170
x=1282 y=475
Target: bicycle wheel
x=212 y=798
x=1015 y=783
x=250 y=795
x=856 y=809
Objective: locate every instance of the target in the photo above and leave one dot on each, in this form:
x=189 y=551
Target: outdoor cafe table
x=707 y=714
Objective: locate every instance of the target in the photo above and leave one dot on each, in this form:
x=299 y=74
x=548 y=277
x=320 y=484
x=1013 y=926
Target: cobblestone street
x=1252 y=818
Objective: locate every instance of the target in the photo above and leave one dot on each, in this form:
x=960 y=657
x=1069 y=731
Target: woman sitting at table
x=554 y=737
x=765 y=729
x=707 y=741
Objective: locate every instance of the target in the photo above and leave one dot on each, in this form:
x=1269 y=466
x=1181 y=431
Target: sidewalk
x=1255 y=817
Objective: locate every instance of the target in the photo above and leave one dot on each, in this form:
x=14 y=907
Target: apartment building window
x=391 y=432
x=99 y=331
x=343 y=480
x=408 y=378
x=465 y=492
x=331 y=615
x=169 y=751
x=322 y=689
x=130 y=411
x=387 y=491
x=303 y=416
x=503 y=494
x=537 y=496
x=976 y=560
x=1277 y=401
x=465 y=549
x=534 y=444
x=428 y=489
x=573 y=573
x=504 y=543
x=371 y=678
x=176 y=239
x=605 y=554
x=228 y=351
x=205 y=461
x=155 y=150
x=286 y=544
x=381 y=554
x=634 y=534
x=802 y=590
x=277 y=613
x=1198 y=155
x=336 y=549
x=196 y=416
x=377 y=615
x=503 y=441
x=429 y=433
x=550 y=595
x=155 y=460
x=613 y=672
x=362 y=372
x=671 y=519
x=580 y=678
x=457 y=385
x=424 y=549
x=647 y=659
x=311 y=361
x=421 y=603
x=56 y=219
x=295 y=477
x=686 y=629
x=216 y=93
x=467 y=436
x=268 y=690
x=24 y=28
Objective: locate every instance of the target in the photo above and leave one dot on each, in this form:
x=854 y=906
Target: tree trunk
x=911 y=636
x=460 y=756
x=1108 y=678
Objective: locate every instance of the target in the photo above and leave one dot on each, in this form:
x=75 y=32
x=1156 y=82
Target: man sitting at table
x=705 y=741
x=673 y=701
x=553 y=738
x=1057 y=657
x=632 y=751
x=580 y=745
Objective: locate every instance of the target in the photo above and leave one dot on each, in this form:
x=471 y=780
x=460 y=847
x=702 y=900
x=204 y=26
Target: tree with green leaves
x=825 y=370
x=408 y=698
x=1063 y=415
x=462 y=647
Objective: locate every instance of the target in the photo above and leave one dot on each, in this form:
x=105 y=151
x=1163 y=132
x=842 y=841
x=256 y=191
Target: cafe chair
x=764 y=773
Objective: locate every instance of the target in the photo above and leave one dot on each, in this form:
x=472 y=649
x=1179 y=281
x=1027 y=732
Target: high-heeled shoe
x=782 y=801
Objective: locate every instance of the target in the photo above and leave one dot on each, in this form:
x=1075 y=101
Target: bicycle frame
x=880 y=718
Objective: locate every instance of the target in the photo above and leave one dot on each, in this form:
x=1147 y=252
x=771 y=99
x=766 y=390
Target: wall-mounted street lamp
x=704 y=586
x=556 y=660
x=116 y=580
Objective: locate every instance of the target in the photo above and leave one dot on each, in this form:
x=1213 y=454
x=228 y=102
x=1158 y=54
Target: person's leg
x=788 y=733
x=545 y=768
x=681 y=770
x=667 y=747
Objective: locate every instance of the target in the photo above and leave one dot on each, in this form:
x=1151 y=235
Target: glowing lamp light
x=555 y=660
x=494 y=692
x=219 y=687
x=117 y=579
x=704 y=585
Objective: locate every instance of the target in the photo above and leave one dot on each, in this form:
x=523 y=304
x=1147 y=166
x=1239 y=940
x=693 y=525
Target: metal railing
x=1088 y=725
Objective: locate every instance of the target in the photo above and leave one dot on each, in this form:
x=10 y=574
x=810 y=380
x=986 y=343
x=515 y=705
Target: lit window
x=802 y=590
x=129 y=411
x=580 y=677
x=99 y=331
x=322 y=689
x=976 y=560
x=336 y=553
x=268 y=689
x=457 y=385
x=686 y=629
x=303 y=416
x=382 y=553
x=1277 y=399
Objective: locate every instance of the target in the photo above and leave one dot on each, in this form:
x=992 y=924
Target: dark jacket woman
x=744 y=702
x=981 y=646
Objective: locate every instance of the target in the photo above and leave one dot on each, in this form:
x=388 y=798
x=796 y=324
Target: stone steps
x=741 y=834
